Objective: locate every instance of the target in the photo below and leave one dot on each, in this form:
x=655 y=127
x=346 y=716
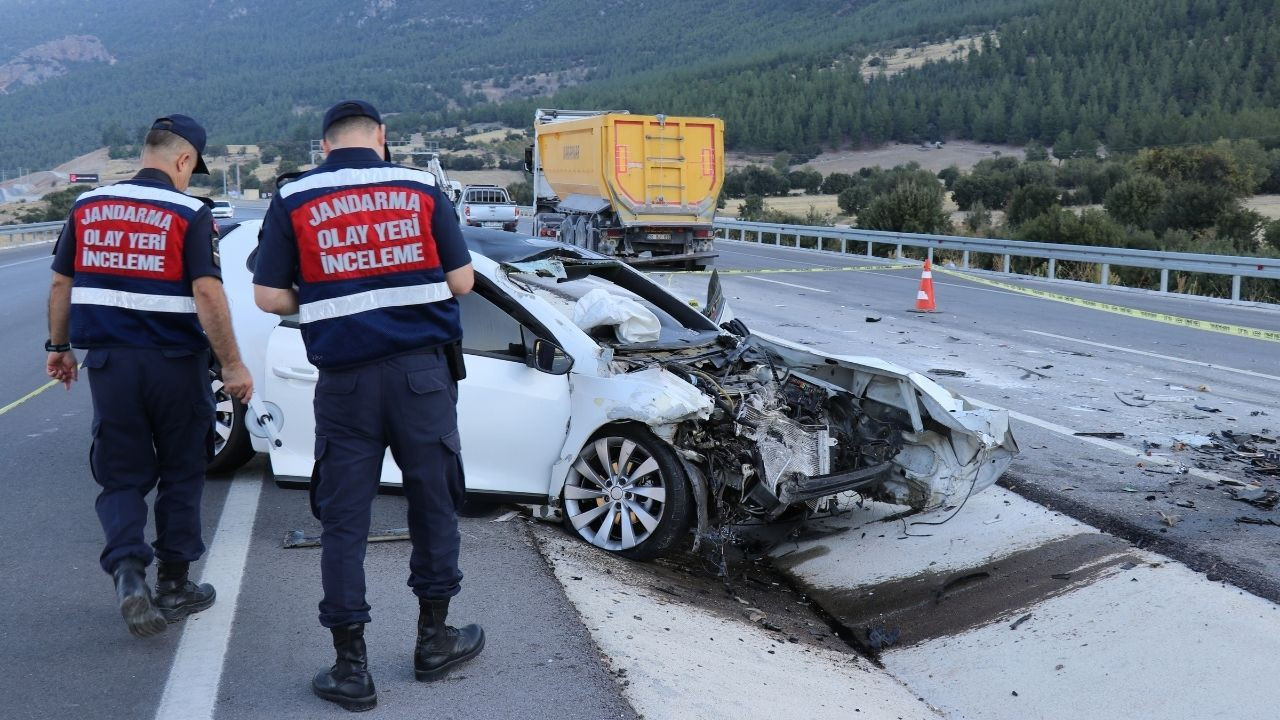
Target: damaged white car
x=593 y=391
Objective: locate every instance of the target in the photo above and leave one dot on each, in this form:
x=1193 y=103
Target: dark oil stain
x=799 y=557
x=937 y=604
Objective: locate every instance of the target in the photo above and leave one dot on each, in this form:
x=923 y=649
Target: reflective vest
x=371 y=284
x=130 y=286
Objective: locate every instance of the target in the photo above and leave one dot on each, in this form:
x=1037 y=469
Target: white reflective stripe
x=133 y=301
x=143 y=192
x=373 y=300
x=347 y=177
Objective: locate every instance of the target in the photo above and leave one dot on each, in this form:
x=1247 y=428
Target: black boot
x=440 y=647
x=178 y=597
x=348 y=682
x=139 y=612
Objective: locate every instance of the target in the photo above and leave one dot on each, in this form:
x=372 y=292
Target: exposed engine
x=779 y=438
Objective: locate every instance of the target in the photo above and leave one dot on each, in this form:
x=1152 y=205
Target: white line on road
x=1117 y=348
x=192 y=690
x=779 y=282
x=46 y=258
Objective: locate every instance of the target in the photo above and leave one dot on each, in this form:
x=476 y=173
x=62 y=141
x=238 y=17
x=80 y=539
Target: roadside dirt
x=743 y=588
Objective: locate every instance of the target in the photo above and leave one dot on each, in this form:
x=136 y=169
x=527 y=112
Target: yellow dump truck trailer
x=641 y=187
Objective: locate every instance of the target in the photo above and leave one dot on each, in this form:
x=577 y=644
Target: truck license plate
x=658 y=236
x=492 y=224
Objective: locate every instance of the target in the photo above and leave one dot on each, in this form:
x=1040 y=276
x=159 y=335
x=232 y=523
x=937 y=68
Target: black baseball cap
x=188 y=129
x=349 y=108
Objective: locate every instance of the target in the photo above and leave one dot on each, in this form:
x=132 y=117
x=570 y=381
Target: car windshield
x=221 y=203
x=680 y=326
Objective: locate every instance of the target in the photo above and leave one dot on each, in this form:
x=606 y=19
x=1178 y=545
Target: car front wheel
x=627 y=493
x=232 y=446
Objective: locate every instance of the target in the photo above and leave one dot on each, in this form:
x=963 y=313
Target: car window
x=488 y=329
x=487 y=197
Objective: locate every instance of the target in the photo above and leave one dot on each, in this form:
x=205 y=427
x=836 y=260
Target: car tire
x=232 y=446
x=627 y=493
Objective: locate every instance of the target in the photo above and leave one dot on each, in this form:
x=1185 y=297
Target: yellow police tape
x=768 y=271
x=1166 y=318
x=27 y=397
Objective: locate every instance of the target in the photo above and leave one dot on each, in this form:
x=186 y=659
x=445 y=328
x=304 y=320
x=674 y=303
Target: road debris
x=1133 y=401
x=879 y=638
x=948 y=373
x=873 y=319
x=1257 y=497
x=1028 y=373
x=1019 y=621
x=1205 y=408
x=1246 y=520
x=1168 y=519
x=1106 y=434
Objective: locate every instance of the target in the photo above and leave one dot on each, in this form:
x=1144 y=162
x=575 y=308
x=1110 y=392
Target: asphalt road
x=1058 y=367
x=68 y=653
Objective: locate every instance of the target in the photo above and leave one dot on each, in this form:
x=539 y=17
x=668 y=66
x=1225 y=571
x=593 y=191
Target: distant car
x=488 y=206
x=223 y=209
x=592 y=389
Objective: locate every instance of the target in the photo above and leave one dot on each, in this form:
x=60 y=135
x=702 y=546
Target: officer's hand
x=63 y=367
x=238 y=382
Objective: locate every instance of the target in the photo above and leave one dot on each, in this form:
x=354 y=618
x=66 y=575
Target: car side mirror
x=548 y=357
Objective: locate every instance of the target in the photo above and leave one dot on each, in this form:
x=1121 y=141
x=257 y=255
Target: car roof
x=507 y=247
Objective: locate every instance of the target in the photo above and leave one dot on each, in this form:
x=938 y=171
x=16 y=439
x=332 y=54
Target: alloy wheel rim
x=615 y=494
x=224 y=413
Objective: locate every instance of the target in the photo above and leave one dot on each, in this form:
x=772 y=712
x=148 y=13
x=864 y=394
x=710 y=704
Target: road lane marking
x=191 y=692
x=1117 y=348
x=779 y=282
x=765 y=271
x=24 y=262
x=27 y=397
x=1165 y=318
x=1101 y=443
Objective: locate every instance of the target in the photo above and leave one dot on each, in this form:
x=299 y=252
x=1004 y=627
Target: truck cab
x=487 y=206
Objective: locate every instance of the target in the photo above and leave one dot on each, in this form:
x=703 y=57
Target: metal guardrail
x=1234 y=266
x=29 y=234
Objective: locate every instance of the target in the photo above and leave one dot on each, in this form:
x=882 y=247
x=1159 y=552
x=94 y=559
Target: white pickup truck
x=487 y=206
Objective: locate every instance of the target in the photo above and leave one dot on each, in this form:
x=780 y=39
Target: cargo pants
x=409 y=404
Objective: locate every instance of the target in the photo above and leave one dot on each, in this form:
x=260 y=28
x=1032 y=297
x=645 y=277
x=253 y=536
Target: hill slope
x=257 y=71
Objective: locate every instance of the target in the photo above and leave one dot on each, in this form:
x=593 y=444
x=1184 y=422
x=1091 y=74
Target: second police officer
x=376 y=255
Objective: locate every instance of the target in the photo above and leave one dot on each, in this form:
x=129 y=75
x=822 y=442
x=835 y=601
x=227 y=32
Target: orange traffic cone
x=925 y=300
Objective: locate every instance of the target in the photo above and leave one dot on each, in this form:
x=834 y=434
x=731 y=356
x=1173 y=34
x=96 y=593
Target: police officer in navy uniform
x=136 y=284
x=376 y=255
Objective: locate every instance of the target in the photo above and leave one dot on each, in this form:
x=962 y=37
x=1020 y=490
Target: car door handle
x=292 y=373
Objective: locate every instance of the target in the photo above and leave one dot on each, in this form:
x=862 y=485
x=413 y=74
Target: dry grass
x=1266 y=205
x=963 y=155
x=913 y=57
x=501 y=178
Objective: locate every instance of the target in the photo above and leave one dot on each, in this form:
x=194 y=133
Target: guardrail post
x=797 y=239
x=844 y=245
x=1053 y=268
x=777 y=239
x=1235 y=287
x=1164 y=280
x=1005 y=265
x=899 y=251
x=964 y=260
x=869 y=251
x=1106 y=274
x=931 y=256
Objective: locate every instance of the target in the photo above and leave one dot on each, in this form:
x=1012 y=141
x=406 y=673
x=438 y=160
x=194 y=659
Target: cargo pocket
x=94 y=432
x=322 y=445
x=456 y=481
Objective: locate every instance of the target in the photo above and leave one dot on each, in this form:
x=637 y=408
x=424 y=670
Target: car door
x=513 y=419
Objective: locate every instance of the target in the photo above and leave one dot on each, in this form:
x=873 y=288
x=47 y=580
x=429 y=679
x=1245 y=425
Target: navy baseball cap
x=349 y=108
x=188 y=129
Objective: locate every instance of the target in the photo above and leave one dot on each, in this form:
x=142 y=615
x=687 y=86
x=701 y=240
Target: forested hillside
x=784 y=76
x=260 y=71
x=1130 y=74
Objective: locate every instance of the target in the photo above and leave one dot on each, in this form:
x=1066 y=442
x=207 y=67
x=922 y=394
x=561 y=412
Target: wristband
x=60 y=348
